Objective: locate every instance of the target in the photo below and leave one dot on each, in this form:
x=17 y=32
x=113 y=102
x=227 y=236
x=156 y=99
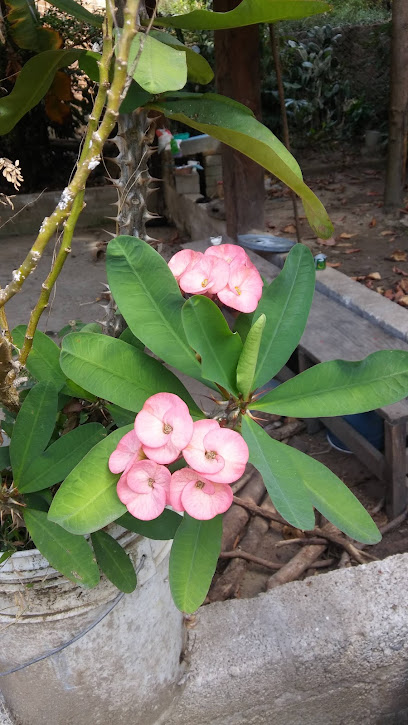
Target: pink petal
x=159 y=411
x=128 y=448
x=244 y=288
x=234 y=451
x=148 y=506
x=228 y=252
x=203 y=501
x=182 y=423
x=195 y=452
x=181 y=261
x=147 y=475
x=208 y=274
x=149 y=429
x=179 y=480
x=164 y=454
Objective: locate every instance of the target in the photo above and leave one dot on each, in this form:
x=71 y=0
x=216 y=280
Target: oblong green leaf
x=71 y=555
x=25 y=27
x=77 y=11
x=247 y=362
x=120 y=415
x=282 y=479
x=286 y=303
x=159 y=68
x=341 y=387
x=87 y=500
x=193 y=558
x=61 y=457
x=118 y=372
x=43 y=359
x=135 y=98
x=198 y=69
x=149 y=299
x=163 y=528
x=4 y=457
x=248 y=12
x=235 y=125
x=114 y=562
x=33 y=428
x=208 y=334
x=131 y=339
x=32 y=84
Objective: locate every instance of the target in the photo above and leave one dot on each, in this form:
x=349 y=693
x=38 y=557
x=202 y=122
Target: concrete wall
x=30 y=210
x=331 y=650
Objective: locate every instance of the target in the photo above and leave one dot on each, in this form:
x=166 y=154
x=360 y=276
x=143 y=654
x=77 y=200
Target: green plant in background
x=70 y=416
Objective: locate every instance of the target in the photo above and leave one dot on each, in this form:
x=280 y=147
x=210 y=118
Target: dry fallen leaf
x=333 y=264
x=387 y=233
x=403 y=284
x=380 y=290
x=373 y=222
x=346 y=235
x=352 y=251
x=389 y=294
x=398 y=256
x=327 y=242
x=374 y=193
x=403 y=301
x=289 y=229
x=374 y=275
x=398 y=270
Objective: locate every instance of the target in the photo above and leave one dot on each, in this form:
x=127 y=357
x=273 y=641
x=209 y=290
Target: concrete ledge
x=331 y=650
x=190 y=217
x=30 y=210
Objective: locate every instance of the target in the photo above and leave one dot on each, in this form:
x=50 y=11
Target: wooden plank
x=395 y=469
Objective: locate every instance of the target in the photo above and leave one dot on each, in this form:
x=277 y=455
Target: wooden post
x=237 y=74
x=398 y=114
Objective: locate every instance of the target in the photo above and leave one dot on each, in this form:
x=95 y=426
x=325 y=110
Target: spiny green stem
x=89 y=157
x=49 y=283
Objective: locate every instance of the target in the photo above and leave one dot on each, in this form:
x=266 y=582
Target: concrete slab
x=331 y=650
x=77 y=288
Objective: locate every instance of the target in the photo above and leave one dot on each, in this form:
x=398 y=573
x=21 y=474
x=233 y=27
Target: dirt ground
x=366 y=240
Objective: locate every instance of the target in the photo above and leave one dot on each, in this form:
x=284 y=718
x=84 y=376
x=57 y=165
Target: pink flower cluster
x=163 y=432
x=224 y=270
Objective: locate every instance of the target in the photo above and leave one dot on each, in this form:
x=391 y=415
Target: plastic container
x=370 y=425
x=266 y=243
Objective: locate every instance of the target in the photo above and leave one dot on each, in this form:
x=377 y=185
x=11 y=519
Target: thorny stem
x=71 y=201
x=91 y=153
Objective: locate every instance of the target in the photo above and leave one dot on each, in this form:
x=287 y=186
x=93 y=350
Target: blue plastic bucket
x=370 y=425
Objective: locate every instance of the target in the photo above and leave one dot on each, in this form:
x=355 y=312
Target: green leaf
x=120 y=415
x=333 y=499
x=135 y=98
x=248 y=12
x=70 y=555
x=87 y=500
x=61 y=457
x=341 y=387
x=249 y=357
x=235 y=125
x=33 y=427
x=193 y=558
x=149 y=298
x=78 y=11
x=114 y=562
x=118 y=372
x=25 y=27
x=286 y=303
x=163 y=528
x=43 y=360
x=131 y=339
x=208 y=334
x=4 y=457
x=32 y=84
x=198 y=69
x=160 y=68
x=91 y=327
x=282 y=479
x=36 y=501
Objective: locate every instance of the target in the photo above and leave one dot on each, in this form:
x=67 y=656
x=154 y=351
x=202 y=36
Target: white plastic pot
x=123 y=669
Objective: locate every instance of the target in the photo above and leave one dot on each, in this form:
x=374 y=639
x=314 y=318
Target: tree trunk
x=398 y=116
x=238 y=76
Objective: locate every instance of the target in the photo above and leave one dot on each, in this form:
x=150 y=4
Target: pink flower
x=201 y=498
x=229 y=253
x=244 y=288
x=182 y=260
x=164 y=426
x=205 y=275
x=144 y=489
x=220 y=454
x=128 y=451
